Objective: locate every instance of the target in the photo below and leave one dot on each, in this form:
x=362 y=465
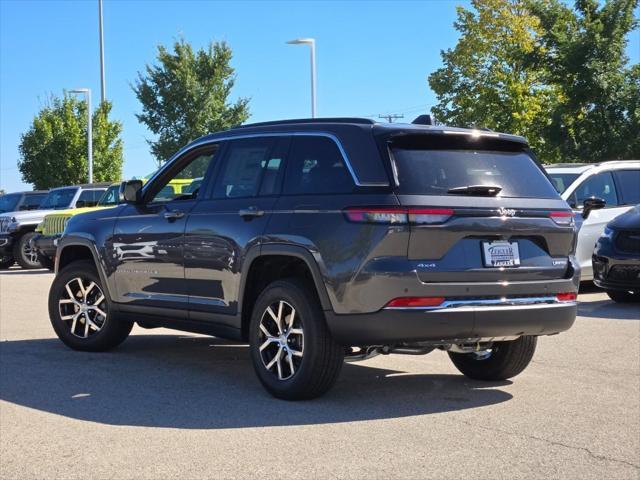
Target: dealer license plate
x=501 y=254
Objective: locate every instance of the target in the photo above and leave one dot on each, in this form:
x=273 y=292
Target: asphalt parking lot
x=171 y=405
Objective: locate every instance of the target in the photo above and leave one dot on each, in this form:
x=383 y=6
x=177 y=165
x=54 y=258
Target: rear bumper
x=460 y=324
x=46 y=245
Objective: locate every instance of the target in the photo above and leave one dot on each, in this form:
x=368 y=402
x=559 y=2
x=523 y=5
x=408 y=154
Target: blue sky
x=373 y=58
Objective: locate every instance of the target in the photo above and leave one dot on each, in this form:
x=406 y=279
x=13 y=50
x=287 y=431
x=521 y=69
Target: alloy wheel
x=30 y=253
x=84 y=307
x=281 y=340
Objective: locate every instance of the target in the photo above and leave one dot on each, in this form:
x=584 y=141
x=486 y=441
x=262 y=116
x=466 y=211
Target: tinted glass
x=629 y=186
x=316 y=166
x=183 y=184
x=90 y=198
x=59 y=199
x=434 y=172
x=32 y=202
x=110 y=197
x=599 y=186
x=561 y=181
x=8 y=202
x=242 y=170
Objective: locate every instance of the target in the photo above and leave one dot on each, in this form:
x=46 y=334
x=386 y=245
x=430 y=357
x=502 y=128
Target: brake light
x=567 y=297
x=399 y=215
x=408 y=302
x=429 y=215
x=562 y=218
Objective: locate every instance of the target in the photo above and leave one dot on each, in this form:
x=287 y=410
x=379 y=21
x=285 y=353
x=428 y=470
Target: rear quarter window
x=435 y=172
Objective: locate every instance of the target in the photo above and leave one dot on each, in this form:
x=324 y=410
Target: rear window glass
x=435 y=172
x=561 y=181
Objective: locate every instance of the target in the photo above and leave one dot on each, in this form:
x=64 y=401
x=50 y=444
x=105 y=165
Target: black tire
x=317 y=369
x=25 y=255
x=113 y=330
x=6 y=262
x=507 y=359
x=621 y=296
x=46 y=262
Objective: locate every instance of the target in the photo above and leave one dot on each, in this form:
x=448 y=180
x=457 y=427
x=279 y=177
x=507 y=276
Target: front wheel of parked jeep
x=503 y=360
x=80 y=311
x=291 y=347
x=25 y=253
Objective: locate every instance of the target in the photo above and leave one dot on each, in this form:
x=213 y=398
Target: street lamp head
x=302 y=41
x=79 y=90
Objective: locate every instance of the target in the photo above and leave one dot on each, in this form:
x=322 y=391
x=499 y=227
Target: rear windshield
x=8 y=202
x=435 y=172
x=561 y=181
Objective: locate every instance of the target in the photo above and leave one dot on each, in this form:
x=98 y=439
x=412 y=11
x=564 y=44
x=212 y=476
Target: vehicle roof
x=86 y=186
x=26 y=192
x=583 y=167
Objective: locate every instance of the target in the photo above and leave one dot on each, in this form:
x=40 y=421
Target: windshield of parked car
x=58 y=199
x=561 y=181
x=9 y=202
x=462 y=172
x=110 y=197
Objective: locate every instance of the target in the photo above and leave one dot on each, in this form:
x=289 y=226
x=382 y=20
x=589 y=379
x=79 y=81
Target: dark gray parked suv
x=323 y=240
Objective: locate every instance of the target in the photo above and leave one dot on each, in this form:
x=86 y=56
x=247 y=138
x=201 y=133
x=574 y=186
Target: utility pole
x=391 y=117
x=102 y=86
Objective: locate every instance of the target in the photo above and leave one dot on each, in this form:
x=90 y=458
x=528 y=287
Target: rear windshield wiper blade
x=488 y=190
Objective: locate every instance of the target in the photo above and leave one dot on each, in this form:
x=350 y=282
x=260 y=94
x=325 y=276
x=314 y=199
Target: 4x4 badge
x=506 y=212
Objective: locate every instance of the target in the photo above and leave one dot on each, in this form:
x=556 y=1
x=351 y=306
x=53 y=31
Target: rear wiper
x=488 y=190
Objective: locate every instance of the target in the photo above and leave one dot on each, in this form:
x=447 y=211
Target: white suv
x=598 y=192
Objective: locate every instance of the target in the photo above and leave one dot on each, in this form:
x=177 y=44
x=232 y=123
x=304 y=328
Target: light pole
x=102 y=86
x=312 y=44
x=87 y=95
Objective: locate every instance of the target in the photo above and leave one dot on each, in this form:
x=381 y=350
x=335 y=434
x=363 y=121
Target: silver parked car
x=598 y=192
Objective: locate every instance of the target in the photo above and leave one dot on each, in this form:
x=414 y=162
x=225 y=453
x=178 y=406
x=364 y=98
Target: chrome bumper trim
x=492 y=302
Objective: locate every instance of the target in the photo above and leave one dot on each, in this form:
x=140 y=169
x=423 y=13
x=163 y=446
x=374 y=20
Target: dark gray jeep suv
x=329 y=239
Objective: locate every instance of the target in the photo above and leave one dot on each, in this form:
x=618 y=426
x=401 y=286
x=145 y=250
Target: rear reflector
x=408 y=302
x=399 y=215
x=562 y=218
x=566 y=297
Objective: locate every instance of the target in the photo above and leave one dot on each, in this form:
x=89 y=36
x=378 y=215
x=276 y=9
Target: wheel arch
x=291 y=258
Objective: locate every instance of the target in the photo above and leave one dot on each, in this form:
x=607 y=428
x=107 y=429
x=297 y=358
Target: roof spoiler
x=423 y=120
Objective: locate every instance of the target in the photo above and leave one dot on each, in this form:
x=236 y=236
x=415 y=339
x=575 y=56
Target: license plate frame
x=500 y=254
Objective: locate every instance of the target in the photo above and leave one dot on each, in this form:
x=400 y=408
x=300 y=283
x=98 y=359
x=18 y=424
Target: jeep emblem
x=506 y=212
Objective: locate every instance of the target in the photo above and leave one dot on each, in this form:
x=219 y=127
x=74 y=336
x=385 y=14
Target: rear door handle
x=173 y=215
x=250 y=212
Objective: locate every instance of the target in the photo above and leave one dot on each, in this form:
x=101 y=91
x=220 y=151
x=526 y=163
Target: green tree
x=493 y=77
x=186 y=95
x=598 y=115
x=54 y=150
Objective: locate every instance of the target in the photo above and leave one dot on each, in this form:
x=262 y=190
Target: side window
x=316 y=166
x=629 y=186
x=184 y=183
x=110 y=197
x=245 y=162
x=89 y=198
x=600 y=186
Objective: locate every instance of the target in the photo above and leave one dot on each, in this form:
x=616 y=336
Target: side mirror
x=80 y=204
x=130 y=191
x=593 y=203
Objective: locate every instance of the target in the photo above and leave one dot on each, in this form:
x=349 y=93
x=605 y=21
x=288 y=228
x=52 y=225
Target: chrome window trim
x=492 y=302
x=212 y=141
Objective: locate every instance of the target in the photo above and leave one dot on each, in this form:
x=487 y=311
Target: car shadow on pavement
x=206 y=383
x=609 y=310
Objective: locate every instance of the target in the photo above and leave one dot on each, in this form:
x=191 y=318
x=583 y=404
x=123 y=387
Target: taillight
x=395 y=215
x=376 y=215
x=562 y=218
x=409 y=302
x=430 y=215
x=567 y=297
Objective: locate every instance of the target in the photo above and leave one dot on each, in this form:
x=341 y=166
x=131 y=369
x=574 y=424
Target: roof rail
x=361 y=121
